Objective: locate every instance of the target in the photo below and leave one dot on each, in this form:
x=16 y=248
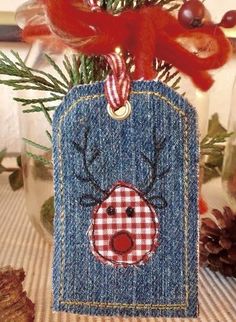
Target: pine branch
x=45 y=112
x=75 y=69
x=23 y=77
x=28 y=101
x=212 y=146
x=92 y=69
x=49 y=135
x=35 y=108
x=167 y=75
x=36 y=145
x=39 y=158
x=58 y=70
x=69 y=69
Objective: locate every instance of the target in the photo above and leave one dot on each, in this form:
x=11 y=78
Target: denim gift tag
x=126 y=200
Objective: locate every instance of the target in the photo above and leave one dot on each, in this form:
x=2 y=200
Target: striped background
x=22 y=246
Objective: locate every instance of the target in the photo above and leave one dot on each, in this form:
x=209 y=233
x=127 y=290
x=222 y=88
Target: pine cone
x=14 y=303
x=218 y=242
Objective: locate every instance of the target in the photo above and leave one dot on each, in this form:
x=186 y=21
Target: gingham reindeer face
x=124 y=230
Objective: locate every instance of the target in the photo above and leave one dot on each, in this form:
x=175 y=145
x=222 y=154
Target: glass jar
x=36 y=128
x=229 y=166
x=38 y=175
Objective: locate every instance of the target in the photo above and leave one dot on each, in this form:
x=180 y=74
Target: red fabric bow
x=146 y=33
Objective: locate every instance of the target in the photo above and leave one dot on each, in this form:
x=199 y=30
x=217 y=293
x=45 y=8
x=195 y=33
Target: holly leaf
x=214 y=127
x=16 y=180
x=42 y=171
x=18 y=161
x=47 y=214
x=212 y=168
x=212 y=147
x=2 y=169
x=2 y=155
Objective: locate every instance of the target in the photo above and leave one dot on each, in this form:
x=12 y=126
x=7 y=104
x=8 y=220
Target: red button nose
x=122 y=242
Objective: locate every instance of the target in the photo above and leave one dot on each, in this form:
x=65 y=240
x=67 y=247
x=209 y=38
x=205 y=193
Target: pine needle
x=45 y=112
x=49 y=136
x=39 y=158
x=36 y=145
x=167 y=74
x=214 y=146
x=57 y=69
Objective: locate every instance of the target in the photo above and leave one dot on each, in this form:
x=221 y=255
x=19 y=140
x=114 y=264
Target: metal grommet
x=122 y=113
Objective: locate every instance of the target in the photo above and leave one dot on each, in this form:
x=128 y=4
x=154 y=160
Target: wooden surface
x=22 y=246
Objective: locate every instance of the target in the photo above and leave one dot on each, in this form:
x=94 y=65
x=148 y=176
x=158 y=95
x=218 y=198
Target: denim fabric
x=166 y=285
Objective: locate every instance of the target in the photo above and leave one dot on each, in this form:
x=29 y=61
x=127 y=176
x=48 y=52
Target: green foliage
x=47 y=214
x=2 y=156
x=76 y=70
x=39 y=158
x=36 y=145
x=229 y=172
x=215 y=127
x=16 y=179
x=167 y=75
x=26 y=78
x=16 y=175
x=41 y=170
x=213 y=147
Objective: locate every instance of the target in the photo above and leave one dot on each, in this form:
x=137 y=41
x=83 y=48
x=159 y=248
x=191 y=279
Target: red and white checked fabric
x=142 y=228
x=117 y=84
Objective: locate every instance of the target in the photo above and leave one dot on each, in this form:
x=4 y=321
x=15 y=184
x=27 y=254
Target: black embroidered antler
x=88 y=177
x=154 y=175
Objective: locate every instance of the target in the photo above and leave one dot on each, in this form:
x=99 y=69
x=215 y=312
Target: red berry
x=203 y=208
x=191 y=14
x=229 y=19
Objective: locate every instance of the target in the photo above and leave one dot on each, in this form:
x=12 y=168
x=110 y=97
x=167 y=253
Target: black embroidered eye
x=130 y=212
x=111 y=211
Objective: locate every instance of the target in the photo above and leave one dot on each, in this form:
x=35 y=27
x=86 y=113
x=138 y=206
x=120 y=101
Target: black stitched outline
x=88 y=200
x=161 y=199
x=88 y=175
x=89 y=178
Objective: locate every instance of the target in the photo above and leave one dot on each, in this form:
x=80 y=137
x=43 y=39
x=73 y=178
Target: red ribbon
x=117 y=84
x=146 y=33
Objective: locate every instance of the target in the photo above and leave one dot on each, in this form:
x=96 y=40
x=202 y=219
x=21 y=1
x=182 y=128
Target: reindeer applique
x=125 y=227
